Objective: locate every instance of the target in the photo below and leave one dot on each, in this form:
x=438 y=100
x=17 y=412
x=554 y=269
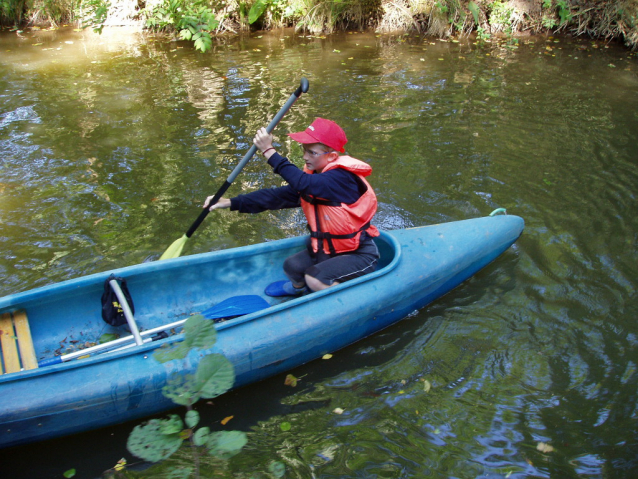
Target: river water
x=109 y=144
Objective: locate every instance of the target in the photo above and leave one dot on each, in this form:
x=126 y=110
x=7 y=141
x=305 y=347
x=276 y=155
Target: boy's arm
x=335 y=185
x=266 y=199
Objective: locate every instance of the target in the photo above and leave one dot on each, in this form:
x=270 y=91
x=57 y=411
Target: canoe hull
x=418 y=266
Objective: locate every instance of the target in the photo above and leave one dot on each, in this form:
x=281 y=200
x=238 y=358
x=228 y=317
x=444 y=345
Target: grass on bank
x=197 y=20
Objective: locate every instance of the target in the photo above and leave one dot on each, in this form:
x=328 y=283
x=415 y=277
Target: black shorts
x=340 y=268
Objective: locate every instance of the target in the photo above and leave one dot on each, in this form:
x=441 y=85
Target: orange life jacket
x=340 y=225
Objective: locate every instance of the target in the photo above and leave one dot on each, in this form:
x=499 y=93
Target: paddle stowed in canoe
x=227 y=309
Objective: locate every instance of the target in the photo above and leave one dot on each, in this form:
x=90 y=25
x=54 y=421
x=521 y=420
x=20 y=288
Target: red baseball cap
x=322 y=131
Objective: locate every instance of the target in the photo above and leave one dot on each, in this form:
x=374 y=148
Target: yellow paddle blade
x=175 y=249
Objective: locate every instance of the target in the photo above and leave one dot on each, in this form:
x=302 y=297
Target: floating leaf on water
x=544 y=448
x=547 y=182
x=338 y=410
x=290 y=381
x=326 y=356
x=69 y=473
x=285 y=426
x=121 y=465
x=226 y=419
x=426 y=386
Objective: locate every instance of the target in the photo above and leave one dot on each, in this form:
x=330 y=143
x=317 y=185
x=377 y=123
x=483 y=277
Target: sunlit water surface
x=109 y=144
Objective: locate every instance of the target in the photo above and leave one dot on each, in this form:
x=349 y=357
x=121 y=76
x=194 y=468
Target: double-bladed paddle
x=175 y=249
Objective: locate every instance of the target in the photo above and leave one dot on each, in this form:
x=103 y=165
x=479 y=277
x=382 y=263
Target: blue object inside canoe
x=236 y=306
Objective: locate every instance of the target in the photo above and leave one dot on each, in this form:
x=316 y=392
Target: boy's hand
x=263 y=140
x=221 y=204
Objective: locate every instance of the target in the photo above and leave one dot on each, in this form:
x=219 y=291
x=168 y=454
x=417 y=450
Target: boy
x=336 y=199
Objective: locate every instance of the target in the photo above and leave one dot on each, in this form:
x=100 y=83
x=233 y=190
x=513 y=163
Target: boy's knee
x=315 y=285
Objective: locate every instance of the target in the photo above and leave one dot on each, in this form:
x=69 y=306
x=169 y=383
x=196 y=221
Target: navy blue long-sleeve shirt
x=334 y=185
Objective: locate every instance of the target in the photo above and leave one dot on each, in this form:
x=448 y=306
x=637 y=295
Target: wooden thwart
x=16 y=343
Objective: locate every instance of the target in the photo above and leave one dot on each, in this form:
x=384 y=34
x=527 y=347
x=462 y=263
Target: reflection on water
x=109 y=145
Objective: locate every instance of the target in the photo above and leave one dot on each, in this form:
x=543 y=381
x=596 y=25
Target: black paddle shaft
x=303 y=88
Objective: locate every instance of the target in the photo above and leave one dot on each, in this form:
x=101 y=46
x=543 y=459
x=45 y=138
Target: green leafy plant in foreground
x=158 y=439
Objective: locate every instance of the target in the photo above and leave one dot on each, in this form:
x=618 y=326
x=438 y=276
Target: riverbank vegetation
x=199 y=20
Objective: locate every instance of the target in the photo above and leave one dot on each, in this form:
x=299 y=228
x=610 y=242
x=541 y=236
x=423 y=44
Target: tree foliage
x=192 y=20
x=199 y=20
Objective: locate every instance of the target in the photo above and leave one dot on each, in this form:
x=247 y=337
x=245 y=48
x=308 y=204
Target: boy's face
x=317 y=156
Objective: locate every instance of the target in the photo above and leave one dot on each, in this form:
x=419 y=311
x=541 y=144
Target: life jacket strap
x=313 y=200
x=320 y=235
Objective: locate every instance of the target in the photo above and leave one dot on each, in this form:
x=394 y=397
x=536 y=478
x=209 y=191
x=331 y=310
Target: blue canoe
x=417 y=266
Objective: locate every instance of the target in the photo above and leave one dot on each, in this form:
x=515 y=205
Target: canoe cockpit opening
x=387 y=252
x=218 y=287
x=16 y=343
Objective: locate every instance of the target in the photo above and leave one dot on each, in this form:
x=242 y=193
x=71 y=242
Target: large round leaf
x=199 y=333
x=172 y=425
x=215 y=375
x=182 y=389
x=225 y=444
x=147 y=442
